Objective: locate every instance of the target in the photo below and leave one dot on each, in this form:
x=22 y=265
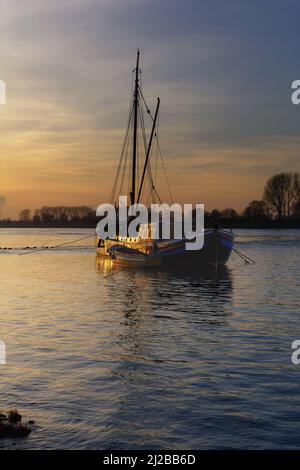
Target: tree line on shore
x=279 y=207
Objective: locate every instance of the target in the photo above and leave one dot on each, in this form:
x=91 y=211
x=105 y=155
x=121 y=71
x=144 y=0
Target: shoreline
x=292 y=225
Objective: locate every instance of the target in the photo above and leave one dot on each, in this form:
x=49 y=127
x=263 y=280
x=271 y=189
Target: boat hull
x=218 y=244
x=216 y=250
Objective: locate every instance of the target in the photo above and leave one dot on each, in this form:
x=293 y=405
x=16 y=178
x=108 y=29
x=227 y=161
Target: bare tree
x=25 y=215
x=281 y=192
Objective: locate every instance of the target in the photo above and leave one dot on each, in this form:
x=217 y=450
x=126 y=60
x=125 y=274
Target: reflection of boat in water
x=147 y=250
x=205 y=275
x=167 y=336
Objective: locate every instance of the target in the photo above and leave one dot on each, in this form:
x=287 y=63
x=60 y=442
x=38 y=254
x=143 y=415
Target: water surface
x=149 y=358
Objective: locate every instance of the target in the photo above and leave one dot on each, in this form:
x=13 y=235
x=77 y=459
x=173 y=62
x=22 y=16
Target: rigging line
x=164 y=168
x=114 y=187
x=154 y=189
x=147 y=107
x=149 y=171
x=123 y=177
x=138 y=138
x=151 y=192
x=124 y=150
x=156 y=158
x=56 y=246
x=156 y=151
x=132 y=84
x=148 y=197
x=124 y=167
x=128 y=142
x=154 y=172
x=143 y=128
x=121 y=159
x=112 y=196
x=149 y=148
x=129 y=169
x=150 y=177
x=155 y=168
x=147 y=189
x=141 y=141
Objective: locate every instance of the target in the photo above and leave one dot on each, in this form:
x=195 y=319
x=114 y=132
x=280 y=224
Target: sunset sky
x=223 y=71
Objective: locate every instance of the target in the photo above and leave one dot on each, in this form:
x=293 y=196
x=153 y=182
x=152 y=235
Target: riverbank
x=231 y=224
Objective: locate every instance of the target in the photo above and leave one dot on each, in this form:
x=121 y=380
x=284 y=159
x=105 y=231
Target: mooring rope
x=112 y=274
x=36 y=250
x=244 y=257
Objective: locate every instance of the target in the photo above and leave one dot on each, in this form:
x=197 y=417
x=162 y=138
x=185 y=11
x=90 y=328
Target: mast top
x=136 y=69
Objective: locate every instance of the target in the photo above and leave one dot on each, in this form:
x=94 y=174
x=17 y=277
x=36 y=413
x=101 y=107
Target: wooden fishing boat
x=216 y=250
x=150 y=250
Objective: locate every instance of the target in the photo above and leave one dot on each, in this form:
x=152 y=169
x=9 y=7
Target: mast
x=135 y=124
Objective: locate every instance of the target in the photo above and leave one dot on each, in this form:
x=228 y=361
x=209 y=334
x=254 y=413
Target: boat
x=145 y=249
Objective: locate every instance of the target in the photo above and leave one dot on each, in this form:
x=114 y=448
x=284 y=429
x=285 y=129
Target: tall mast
x=135 y=124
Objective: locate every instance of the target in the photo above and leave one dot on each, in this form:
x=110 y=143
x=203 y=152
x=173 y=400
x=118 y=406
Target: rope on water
x=36 y=250
x=111 y=274
x=244 y=257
